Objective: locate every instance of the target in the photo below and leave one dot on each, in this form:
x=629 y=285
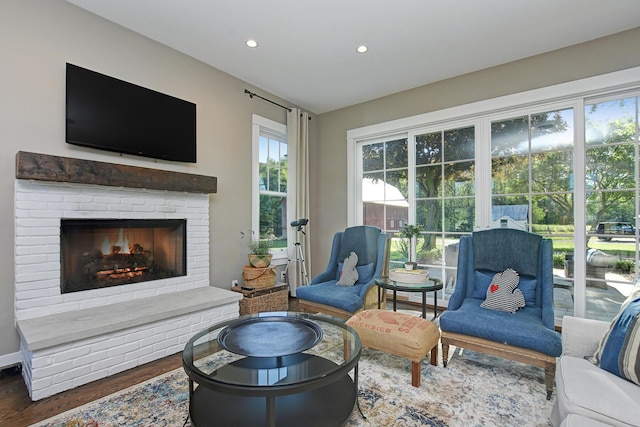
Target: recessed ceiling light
x=252 y=43
x=362 y=49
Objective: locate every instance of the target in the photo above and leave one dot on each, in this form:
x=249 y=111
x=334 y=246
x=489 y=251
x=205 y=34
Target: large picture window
x=566 y=169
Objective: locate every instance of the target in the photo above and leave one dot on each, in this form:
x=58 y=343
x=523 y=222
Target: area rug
x=473 y=390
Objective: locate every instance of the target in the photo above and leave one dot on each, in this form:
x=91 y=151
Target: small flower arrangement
x=260 y=246
x=409 y=231
x=259 y=250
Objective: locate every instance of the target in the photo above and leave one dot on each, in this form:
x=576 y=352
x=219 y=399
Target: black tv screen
x=110 y=114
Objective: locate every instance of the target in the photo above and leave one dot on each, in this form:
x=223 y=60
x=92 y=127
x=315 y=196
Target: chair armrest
x=580 y=336
x=325 y=276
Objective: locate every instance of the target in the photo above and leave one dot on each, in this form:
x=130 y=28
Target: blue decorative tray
x=270 y=336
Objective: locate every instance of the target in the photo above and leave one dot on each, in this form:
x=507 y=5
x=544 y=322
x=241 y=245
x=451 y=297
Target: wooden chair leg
x=415 y=374
x=549 y=378
x=445 y=353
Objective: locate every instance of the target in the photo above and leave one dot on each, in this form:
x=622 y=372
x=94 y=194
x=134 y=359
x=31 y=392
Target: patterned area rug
x=473 y=390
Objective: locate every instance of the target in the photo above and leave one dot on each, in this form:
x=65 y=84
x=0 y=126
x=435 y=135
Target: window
x=611 y=208
x=532 y=174
x=270 y=192
x=430 y=182
x=384 y=184
x=444 y=185
x=565 y=168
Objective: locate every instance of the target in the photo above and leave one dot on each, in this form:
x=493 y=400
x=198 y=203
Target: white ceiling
x=307 y=49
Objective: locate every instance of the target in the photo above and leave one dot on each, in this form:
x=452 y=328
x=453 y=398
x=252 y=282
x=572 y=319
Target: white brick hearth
x=66 y=340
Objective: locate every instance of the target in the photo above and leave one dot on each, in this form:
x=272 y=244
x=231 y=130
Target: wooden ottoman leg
x=415 y=374
x=346 y=350
x=434 y=355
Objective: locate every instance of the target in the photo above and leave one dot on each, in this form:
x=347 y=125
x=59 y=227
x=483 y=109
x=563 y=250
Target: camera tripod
x=299 y=260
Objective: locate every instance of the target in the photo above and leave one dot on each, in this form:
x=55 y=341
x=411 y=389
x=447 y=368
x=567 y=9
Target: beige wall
x=37 y=38
x=329 y=166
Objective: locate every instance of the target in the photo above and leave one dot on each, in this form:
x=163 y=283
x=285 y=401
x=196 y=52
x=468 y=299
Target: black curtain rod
x=251 y=95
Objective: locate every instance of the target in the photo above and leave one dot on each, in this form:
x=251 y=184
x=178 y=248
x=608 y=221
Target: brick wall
x=59 y=368
x=40 y=205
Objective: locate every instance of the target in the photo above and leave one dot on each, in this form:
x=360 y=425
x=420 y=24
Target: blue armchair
x=528 y=335
x=325 y=296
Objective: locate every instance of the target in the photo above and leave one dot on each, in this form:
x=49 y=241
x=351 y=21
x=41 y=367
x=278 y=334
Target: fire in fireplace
x=97 y=253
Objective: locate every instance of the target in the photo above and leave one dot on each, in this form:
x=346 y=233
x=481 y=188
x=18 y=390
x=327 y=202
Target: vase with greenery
x=411 y=233
x=260 y=252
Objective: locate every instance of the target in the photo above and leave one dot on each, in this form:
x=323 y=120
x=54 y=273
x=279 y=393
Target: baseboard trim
x=10 y=359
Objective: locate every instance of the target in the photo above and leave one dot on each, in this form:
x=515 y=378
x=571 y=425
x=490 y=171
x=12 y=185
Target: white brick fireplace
x=73 y=338
x=41 y=205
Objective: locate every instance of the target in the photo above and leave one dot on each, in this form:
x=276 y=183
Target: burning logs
x=117 y=265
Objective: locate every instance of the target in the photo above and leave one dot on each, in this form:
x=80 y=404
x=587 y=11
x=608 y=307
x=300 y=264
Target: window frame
x=259 y=126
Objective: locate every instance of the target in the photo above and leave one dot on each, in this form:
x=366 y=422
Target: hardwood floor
x=17 y=409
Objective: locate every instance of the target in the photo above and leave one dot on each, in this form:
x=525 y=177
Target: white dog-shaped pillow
x=349 y=275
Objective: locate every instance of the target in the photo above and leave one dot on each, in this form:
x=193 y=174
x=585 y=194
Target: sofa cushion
x=585 y=389
x=471 y=319
x=597 y=356
x=620 y=353
x=528 y=287
x=481 y=283
x=574 y=420
x=347 y=298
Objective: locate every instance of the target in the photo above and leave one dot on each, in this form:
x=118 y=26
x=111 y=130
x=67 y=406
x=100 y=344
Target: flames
x=114 y=248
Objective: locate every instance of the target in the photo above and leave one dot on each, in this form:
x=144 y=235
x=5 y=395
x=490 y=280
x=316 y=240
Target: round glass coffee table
x=278 y=368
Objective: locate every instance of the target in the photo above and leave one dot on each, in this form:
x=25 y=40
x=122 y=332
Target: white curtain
x=298 y=147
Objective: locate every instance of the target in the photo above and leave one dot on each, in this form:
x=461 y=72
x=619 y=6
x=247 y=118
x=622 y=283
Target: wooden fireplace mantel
x=45 y=167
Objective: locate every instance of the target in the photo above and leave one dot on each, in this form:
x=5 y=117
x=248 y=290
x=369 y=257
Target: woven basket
x=273 y=301
x=259 y=278
x=260 y=261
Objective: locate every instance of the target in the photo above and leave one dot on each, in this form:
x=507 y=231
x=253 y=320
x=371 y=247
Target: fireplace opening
x=98 y=253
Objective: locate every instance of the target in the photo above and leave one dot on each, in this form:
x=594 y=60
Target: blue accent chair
x=528 y=335
x=325 y=296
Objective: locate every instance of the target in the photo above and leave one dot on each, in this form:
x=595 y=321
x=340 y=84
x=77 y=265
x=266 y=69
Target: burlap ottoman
x=401 y=334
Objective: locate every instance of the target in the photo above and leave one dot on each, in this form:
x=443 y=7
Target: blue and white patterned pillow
x=619 y=349
x=503 y=294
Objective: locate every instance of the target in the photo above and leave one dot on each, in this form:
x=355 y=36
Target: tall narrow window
x=445 y=197
x=273 y=185
x=271 y=190
x=612 y=212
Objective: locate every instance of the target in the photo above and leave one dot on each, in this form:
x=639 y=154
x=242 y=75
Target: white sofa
x=585 y=391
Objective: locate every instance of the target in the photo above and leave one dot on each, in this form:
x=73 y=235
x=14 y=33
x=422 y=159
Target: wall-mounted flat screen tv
x=110 y=114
